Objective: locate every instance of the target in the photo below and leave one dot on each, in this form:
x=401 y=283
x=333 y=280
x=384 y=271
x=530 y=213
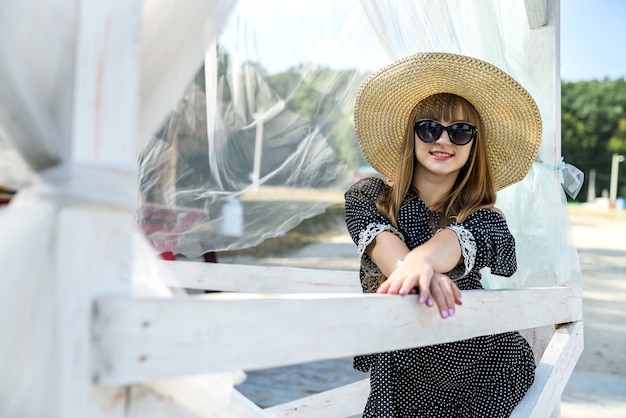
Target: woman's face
x=442 y=159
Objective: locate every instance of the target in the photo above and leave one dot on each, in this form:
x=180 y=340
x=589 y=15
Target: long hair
x=474 y=187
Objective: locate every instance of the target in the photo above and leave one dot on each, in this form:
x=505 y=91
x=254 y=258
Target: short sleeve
x=486 y=242
x=363 y=220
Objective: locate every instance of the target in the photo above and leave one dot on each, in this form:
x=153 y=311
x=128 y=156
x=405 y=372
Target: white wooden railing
x=306 y=315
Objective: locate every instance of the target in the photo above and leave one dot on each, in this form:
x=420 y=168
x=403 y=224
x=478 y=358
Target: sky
x=593 y=39
x=593 y=36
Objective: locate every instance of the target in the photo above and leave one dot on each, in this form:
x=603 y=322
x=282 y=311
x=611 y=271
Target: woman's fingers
x=404 y=282
x=457 y=294
x=433 y=288
x=446 y=294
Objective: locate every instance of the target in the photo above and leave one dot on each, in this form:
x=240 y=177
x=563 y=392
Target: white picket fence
x=109 y=344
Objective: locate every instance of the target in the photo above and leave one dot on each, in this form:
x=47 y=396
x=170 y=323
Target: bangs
x=446 y=107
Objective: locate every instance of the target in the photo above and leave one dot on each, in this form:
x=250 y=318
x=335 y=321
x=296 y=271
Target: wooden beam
x=144 y=402
x=345 y=401
x=93 y=241
x=256 y=279
x=206 y=396
x=536 y=13
x=553 y=372
x=143 y=339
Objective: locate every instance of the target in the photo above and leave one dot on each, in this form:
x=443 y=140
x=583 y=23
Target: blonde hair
x=474 y=187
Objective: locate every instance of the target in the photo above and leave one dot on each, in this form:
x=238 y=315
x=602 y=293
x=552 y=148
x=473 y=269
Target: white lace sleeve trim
x=366 y=236
x=468 y=246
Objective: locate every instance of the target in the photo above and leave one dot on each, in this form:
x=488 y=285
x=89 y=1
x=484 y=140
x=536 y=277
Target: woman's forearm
x=442 y=252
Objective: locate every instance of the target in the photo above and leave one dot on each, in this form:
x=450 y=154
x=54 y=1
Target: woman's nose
x=444 y=139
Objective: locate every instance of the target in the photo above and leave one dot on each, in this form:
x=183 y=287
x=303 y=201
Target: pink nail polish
x=444 y=313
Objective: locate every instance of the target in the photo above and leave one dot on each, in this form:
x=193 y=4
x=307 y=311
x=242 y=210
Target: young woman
x=445 y=132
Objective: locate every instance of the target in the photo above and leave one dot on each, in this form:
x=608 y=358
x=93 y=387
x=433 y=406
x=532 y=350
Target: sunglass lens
x=461 y=133
x=428 y=131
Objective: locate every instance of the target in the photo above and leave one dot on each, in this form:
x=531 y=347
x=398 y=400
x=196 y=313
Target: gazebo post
x=93 y=244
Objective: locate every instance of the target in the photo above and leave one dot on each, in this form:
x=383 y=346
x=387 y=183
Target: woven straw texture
x=511 y=123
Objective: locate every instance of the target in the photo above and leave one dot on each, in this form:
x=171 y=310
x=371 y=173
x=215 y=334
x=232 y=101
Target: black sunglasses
x=460 y=133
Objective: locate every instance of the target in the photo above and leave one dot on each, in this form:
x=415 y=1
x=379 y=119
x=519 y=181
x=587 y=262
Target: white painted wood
x=542 y=55
x=544 y=397
x=106 y=98
x=543 y=65
x=233 y=331
x=344 y=401
x=245 y=408
x=256 y=279
x=538 y=338
x=199 y=402
x=145 y=402
x=84 y=264
x=536 y=13
x=93 y=244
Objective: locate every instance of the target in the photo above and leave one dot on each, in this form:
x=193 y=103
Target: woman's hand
x=414 y=275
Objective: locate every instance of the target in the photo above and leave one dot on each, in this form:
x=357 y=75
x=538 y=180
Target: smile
x=440 y=154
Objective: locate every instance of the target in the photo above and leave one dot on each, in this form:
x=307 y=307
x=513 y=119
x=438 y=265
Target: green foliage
x=593 y=127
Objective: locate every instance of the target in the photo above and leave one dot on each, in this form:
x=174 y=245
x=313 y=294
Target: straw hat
x=510 y=119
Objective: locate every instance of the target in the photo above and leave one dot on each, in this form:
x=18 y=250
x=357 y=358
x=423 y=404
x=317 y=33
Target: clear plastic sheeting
x=536 y=214
x=261 y=139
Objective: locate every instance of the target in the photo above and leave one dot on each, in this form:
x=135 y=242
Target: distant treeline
x=593 y=128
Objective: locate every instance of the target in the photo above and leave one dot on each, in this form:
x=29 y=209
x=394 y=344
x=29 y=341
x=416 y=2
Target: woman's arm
x=421 y=268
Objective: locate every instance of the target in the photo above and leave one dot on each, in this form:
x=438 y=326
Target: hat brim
x=510 y=120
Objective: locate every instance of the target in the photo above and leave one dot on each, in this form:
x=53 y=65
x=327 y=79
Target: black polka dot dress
x=479 y=377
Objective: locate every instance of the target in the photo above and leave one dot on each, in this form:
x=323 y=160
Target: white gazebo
x=91 y=326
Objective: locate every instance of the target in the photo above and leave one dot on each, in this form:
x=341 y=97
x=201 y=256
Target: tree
x=593 y=125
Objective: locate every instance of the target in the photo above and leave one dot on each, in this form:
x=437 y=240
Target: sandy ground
x=597 y=387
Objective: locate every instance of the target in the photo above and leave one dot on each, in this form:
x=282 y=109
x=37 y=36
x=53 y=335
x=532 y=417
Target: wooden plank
x=536 y=13
x=145 y=339
x=145 y=402
x=553 y=372
x=207 y=396
x=344 y=401
x=538 y=338
x=93 y=243
x=256 y=279
x=543 y=68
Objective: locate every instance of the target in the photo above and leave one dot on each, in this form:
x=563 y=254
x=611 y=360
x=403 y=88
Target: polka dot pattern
x=479 y=377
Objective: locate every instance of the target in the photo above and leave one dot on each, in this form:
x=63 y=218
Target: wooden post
x=93 y=244
x=544 y=65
